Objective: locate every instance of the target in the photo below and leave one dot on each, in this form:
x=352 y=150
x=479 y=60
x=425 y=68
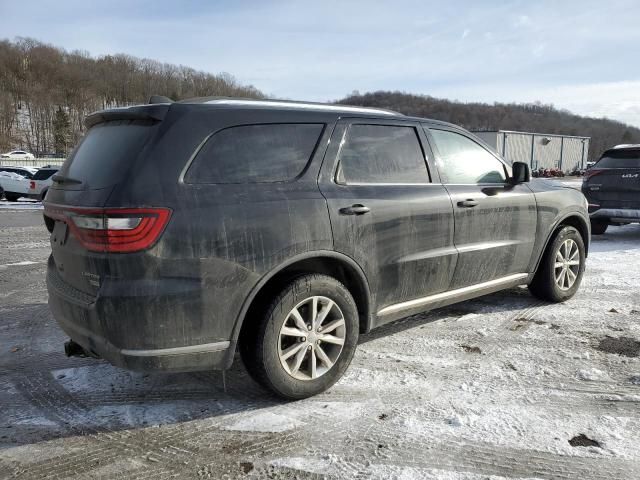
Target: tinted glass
x=464 y=161
x=255 y=154
x=382 y=154
x=44 y=174
x=620 y=160
x=106 y=152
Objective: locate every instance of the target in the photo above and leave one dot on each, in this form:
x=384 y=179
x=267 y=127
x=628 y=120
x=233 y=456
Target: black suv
x=184 y=231
x=612 y=187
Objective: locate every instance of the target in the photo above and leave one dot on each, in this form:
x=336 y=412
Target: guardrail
x=37 y=163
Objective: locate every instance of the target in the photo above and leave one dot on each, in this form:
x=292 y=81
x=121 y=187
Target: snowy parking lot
x=504 y=386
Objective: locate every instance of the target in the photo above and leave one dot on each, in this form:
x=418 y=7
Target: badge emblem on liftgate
x=630 y=175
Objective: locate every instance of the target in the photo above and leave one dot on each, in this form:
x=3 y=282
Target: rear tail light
x=32 y=185
x=119 y=230
x=592 y=173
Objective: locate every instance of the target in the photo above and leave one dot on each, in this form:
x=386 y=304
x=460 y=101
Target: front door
x=495 y=221
x=386 y=213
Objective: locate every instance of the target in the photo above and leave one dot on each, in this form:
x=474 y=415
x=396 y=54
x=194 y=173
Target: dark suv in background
x=612 y=187
x=183 y=231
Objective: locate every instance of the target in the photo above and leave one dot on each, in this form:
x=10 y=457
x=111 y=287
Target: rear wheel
x=561 y=268
x=12 y=197
x=306 y=339
x=598 y=227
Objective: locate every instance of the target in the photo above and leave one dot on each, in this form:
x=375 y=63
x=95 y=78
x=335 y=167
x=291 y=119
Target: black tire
x=598 y=227
x=544 y=284
x=260 y=343
x=11 y=197
x=1 y=193
x=43 y=194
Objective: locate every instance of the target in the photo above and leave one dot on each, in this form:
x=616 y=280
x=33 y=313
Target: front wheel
x=306 y=339
x=561 y=268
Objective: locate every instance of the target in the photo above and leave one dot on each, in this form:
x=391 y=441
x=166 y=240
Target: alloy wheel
x=567 y=264
x=311 y=338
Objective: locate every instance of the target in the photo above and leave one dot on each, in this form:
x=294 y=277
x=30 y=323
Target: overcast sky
x=583 y=56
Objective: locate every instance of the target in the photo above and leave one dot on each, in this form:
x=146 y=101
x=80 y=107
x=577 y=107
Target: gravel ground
x=500 y=387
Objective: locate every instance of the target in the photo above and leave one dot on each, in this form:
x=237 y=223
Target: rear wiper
x=62 y=179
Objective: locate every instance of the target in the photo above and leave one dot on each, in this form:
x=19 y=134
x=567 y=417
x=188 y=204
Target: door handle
x=469 y=202
x=356 y=209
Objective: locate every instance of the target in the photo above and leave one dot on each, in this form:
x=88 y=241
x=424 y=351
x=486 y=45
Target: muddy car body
x=207 y=219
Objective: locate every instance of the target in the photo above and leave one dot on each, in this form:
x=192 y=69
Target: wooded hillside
x=537 y=117
x=45 y=92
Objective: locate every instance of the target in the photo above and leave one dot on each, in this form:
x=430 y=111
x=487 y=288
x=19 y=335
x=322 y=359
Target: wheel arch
x=335 y=264
x=572 y=219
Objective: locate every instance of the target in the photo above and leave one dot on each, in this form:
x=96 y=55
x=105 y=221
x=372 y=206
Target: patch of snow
x=321 y=466
x=264 y=422
x=36 y=421
x=17 y=264
x=22 y=204
x=397 y=472
x=592 y=375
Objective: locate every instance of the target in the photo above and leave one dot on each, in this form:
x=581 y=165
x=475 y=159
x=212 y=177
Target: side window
x=464 y=161
x=381 y=154
x=255 y=154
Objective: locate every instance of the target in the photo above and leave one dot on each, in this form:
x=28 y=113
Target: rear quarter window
x=43 y=174
x=264 y=153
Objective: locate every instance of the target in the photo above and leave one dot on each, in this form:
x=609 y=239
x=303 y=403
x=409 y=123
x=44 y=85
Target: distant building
x=539 y=150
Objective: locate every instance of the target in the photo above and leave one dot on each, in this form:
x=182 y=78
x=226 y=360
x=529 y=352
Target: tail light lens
x=118 y=230
x=32 y=185
x=592 y=173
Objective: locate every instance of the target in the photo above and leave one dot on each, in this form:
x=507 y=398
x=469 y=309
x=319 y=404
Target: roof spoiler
x=159 y=99
x=155 y=112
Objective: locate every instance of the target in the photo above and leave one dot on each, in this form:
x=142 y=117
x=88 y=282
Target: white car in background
x=14 y=181
x=18 y=155
x=41 y=182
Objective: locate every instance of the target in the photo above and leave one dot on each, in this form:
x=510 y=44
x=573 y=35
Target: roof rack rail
x=626 y=145
x=303 y=105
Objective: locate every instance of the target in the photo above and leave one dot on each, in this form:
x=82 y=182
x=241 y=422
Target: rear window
x=255 y=154
x=106 y=152
x=620 y=160
x=43 y=174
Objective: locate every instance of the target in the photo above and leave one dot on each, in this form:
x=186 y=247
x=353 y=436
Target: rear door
x=387 y=212
x=495 y=222
x=614 y=182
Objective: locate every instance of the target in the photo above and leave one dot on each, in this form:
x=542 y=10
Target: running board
x=453 y=296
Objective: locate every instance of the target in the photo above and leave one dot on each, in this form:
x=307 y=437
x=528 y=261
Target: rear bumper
x=616 y=215
x=138 y=331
